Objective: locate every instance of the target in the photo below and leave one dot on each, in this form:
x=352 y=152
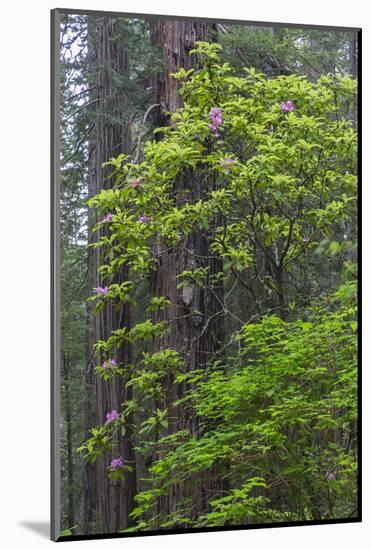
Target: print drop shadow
x=42 y=528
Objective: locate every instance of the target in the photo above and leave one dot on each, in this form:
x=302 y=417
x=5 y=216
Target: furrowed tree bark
x=90 y=481
x=69 y=434
x=114 y=499
x=195 y=313
x=176 y=39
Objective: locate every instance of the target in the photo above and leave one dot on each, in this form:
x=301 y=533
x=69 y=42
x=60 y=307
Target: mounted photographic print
x=204 y=287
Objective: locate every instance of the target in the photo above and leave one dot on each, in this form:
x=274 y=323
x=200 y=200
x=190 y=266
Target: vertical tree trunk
x=195 y=332
x=90 y=481
x=69 y=435
x=176 y=39
x=114 y=499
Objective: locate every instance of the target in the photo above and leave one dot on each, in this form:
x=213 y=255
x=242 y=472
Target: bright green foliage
x=96 y=444
x=282 y=422
x=277 y=406
x=293 y=175
x=67 y=532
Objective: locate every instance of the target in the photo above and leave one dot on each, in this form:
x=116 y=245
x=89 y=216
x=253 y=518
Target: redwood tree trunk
x=113 y=499
x=69 y=434
x=90 y=481
x=176 y=39
x=195 y=313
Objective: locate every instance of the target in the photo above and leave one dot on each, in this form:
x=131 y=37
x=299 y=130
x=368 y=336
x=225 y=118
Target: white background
x=24 y=285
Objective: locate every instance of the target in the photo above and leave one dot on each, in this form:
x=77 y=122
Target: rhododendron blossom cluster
x=107 y=218
x=111 y=416
x=215 y=120
x=287 y=106
x=110 y=363
x=116 y=463
x=144 y=219
x=101 y=290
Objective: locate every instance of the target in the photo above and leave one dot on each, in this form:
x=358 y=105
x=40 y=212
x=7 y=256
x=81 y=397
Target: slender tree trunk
x=282 y=298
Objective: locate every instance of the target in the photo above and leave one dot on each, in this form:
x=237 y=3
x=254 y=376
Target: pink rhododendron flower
x=107 y=218
x=216 y=112
x=287 y=106
x=116 y=463
x=111 y=416
x=144 y=219
x=101 y=291
x=215 y=120
x=110 y=363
